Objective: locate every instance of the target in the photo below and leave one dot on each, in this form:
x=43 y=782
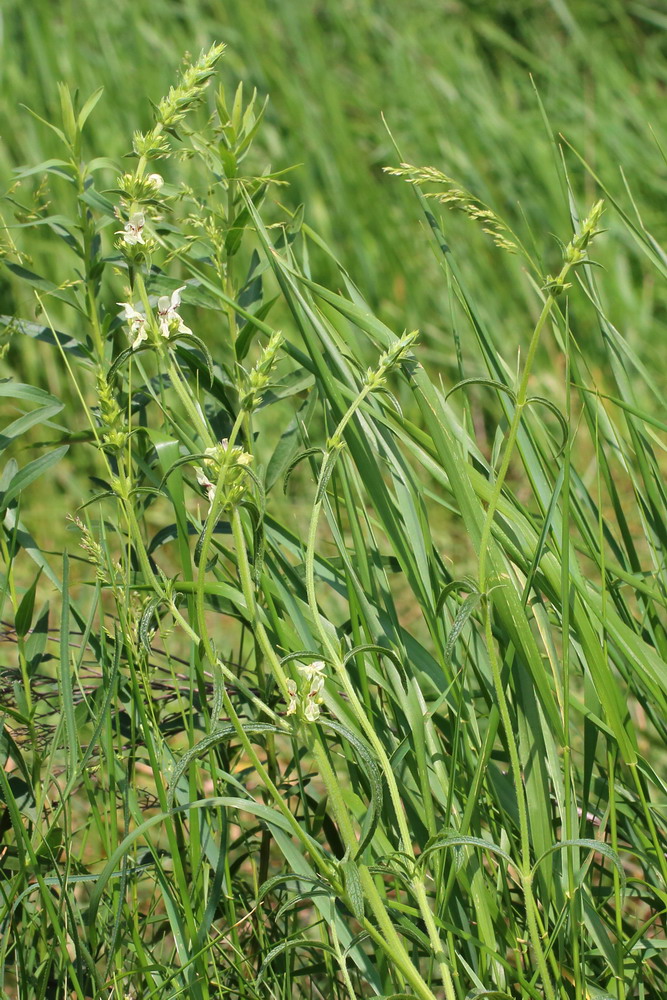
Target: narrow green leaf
x=29 y=473
x=221 y=734
x=372 y=769
x=88 y=107
x=353 y=888
x=24 y=613
x=468 y=607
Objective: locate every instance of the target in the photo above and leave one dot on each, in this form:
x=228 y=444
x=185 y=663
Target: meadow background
x=467 y=738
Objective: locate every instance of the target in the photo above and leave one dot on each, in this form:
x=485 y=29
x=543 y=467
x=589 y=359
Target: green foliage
x=398 y=730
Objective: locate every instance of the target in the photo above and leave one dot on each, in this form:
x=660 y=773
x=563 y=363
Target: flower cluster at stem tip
x=231 y=464
x=375 y=378
x=574 y=253
x=260 y=377
x=310 y=701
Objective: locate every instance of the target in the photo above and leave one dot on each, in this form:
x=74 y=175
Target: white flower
x=312 y=710
x=316 y=685
x=214 y=451
x=313 y=670
x=157 y=180
x=136 y=322
x=313 y=700
x=204 y=481
x=132 y=232
x=292 y=692
x=168 y=316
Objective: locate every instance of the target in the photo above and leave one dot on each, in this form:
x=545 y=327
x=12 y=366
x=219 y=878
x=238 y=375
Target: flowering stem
x=417 y=883
x=574 y=254
x=391 y=943
x=247 y=586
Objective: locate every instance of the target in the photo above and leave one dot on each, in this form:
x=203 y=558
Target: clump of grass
x=258 y=777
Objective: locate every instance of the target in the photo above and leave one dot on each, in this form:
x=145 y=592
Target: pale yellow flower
x=312 y=710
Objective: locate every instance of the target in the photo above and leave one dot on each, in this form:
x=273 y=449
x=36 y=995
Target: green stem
x=396 y=951
x=618 y=901
x=88 y=234
x=568 y=782
x=485 y=542
x=342 y=964
x=248 y=590
x=524 y=831
x=521 y=398
x=185 y=397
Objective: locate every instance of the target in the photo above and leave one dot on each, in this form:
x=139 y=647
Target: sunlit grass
x=352 y=680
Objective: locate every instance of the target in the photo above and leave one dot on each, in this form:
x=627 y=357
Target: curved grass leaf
x=590 y=845
x=285 y=946
x=27 y=475
x=551 y=406
x=221 y=734
x=299 y=458
x=446 y=840
x=489 y=382
x=374 y=774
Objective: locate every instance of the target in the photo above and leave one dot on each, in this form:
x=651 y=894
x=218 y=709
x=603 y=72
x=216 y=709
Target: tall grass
x=352 y=680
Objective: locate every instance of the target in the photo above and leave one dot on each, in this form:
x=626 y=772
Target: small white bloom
x=292 y=692
x=202 y=478
x=213 y=452
x=316 y=685
x=157 y=180
x=313 y=670
x=136 y=322
x=312 y=710
x=132 y=232
x=168 y=316
x=312 y=700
